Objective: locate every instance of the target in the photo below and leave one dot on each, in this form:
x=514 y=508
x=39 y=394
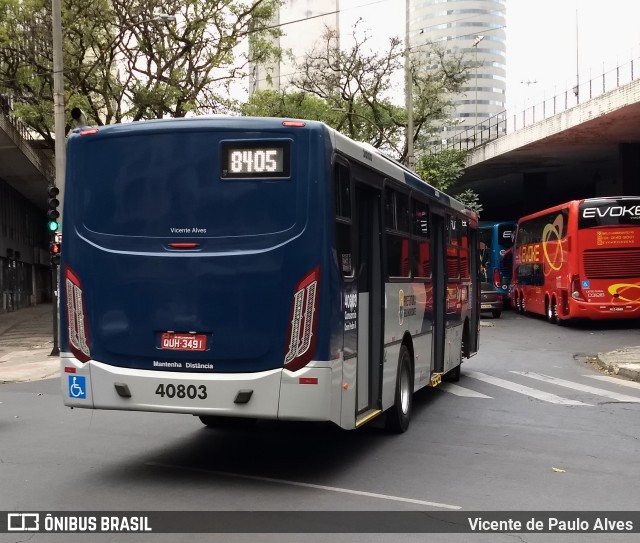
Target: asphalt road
x=530 y=426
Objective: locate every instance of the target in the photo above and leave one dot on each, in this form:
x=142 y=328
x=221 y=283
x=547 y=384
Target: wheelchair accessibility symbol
x=78 y=387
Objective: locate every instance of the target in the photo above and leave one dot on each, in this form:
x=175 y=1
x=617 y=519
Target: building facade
x=476 y=29
x=302 y=23
x=25 y=274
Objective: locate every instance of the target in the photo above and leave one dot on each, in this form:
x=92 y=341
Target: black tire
x=519 y=303
x=399 y=416
x=496 y=313
x=552 y=312
x=212 y=421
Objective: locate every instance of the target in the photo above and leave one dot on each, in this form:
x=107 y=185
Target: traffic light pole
x=55 y=289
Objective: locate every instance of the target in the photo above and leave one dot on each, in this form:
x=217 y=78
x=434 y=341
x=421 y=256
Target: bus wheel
x=399 y=415
x=552 y=313
x=211 y=421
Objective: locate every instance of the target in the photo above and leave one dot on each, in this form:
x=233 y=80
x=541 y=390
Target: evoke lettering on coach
x=611 y=211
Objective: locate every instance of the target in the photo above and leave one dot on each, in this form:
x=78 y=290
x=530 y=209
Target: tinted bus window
x=625 y=211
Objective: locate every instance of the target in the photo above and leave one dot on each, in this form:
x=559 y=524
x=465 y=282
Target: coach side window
x=453 y=248
x=342 y=206
x=421 y=264
x=397 y=232
x=464 y=248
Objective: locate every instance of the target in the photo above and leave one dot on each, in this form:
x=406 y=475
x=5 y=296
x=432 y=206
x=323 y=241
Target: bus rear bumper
x=595 y=311
x=273 y=394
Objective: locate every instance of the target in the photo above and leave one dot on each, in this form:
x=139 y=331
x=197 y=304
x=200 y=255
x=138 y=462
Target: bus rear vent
x=615 y=264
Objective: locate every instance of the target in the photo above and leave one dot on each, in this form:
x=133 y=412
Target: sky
x=542 y=48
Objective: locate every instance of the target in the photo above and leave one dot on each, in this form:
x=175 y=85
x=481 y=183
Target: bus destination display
x=259 y=160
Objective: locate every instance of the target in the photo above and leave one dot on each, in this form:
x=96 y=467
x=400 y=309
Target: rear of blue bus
x=496 y=255
x=194 y=270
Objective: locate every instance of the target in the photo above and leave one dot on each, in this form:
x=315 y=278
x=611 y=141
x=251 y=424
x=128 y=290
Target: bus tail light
x=576 y=290
x=77 y=328
x=496 y=278
x=303 y=322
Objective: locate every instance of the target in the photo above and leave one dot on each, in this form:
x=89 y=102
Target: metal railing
x=22 y=137
x=504 y=123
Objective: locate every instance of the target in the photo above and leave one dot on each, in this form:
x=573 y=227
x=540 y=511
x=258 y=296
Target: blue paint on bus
x=136 y=188
x=496 y=241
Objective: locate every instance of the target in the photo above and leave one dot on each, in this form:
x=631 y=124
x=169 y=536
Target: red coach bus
x=579 y=260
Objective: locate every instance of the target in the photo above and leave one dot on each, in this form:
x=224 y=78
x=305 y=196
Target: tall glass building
x=476 y=28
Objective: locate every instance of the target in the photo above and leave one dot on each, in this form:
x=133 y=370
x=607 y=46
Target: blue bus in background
x=239 y=268
x=496 y=260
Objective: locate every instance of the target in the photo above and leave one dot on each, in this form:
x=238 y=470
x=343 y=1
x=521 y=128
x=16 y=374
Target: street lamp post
x=476 y=41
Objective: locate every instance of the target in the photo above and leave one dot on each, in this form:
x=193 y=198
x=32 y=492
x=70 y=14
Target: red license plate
x=183 y=342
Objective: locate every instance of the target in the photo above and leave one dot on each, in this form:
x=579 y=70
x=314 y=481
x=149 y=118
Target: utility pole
x=59 y=117
x=476 y=41
x=408 y=91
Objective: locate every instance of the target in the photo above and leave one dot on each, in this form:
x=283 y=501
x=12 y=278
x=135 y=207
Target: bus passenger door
x=439 y=259
x=370 y=298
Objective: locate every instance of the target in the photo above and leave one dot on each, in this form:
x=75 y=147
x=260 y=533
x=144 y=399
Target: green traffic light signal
x=53 y=226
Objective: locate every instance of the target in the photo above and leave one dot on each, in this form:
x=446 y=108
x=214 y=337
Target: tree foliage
x=121 y=62
x=442 y=170
x=364 y=85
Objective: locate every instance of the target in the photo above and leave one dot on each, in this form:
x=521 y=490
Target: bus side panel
x=409 y=308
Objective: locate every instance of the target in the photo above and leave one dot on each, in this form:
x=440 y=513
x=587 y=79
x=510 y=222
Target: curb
x=630 y=371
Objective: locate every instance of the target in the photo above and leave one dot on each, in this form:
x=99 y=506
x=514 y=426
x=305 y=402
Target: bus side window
x=464 y=249
x=453 y=245
x=397 y=233
x=421 y=265
x=343 y=216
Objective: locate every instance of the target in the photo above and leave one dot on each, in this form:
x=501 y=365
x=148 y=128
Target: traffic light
x=52 y=213
x=54 y=247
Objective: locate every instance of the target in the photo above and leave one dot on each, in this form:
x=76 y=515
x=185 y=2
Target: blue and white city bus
x=249 y=268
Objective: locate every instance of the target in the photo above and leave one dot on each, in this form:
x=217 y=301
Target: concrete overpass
x=22 y=165
x=587 y=149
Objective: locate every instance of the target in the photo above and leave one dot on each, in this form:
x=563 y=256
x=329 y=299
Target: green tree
x=293 y=105
x=442 y=170
x=123 y=63
x=363 y=84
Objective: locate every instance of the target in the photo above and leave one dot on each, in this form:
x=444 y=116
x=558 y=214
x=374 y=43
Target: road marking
x=461 y=391
x=308 y=485
x=538 y=394
x=578 y=386
x=616 y=380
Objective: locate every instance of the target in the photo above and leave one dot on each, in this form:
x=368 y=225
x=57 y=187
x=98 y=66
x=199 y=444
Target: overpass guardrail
x=505 y=123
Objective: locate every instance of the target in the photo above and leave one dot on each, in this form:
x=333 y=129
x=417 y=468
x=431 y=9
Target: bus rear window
x=621 y=212
x=170 y=185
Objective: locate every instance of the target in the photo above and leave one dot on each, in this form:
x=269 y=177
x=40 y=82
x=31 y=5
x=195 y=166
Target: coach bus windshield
x=621 y=212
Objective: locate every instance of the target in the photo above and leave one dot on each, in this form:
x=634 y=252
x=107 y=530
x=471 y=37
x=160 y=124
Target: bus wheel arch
x=399 y=415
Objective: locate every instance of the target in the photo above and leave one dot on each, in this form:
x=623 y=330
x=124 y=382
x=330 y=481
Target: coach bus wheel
x=552 y=311
x=211 y=421
x=399 y=415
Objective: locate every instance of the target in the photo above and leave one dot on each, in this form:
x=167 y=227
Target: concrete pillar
x=630 y=168
x=535 y=192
